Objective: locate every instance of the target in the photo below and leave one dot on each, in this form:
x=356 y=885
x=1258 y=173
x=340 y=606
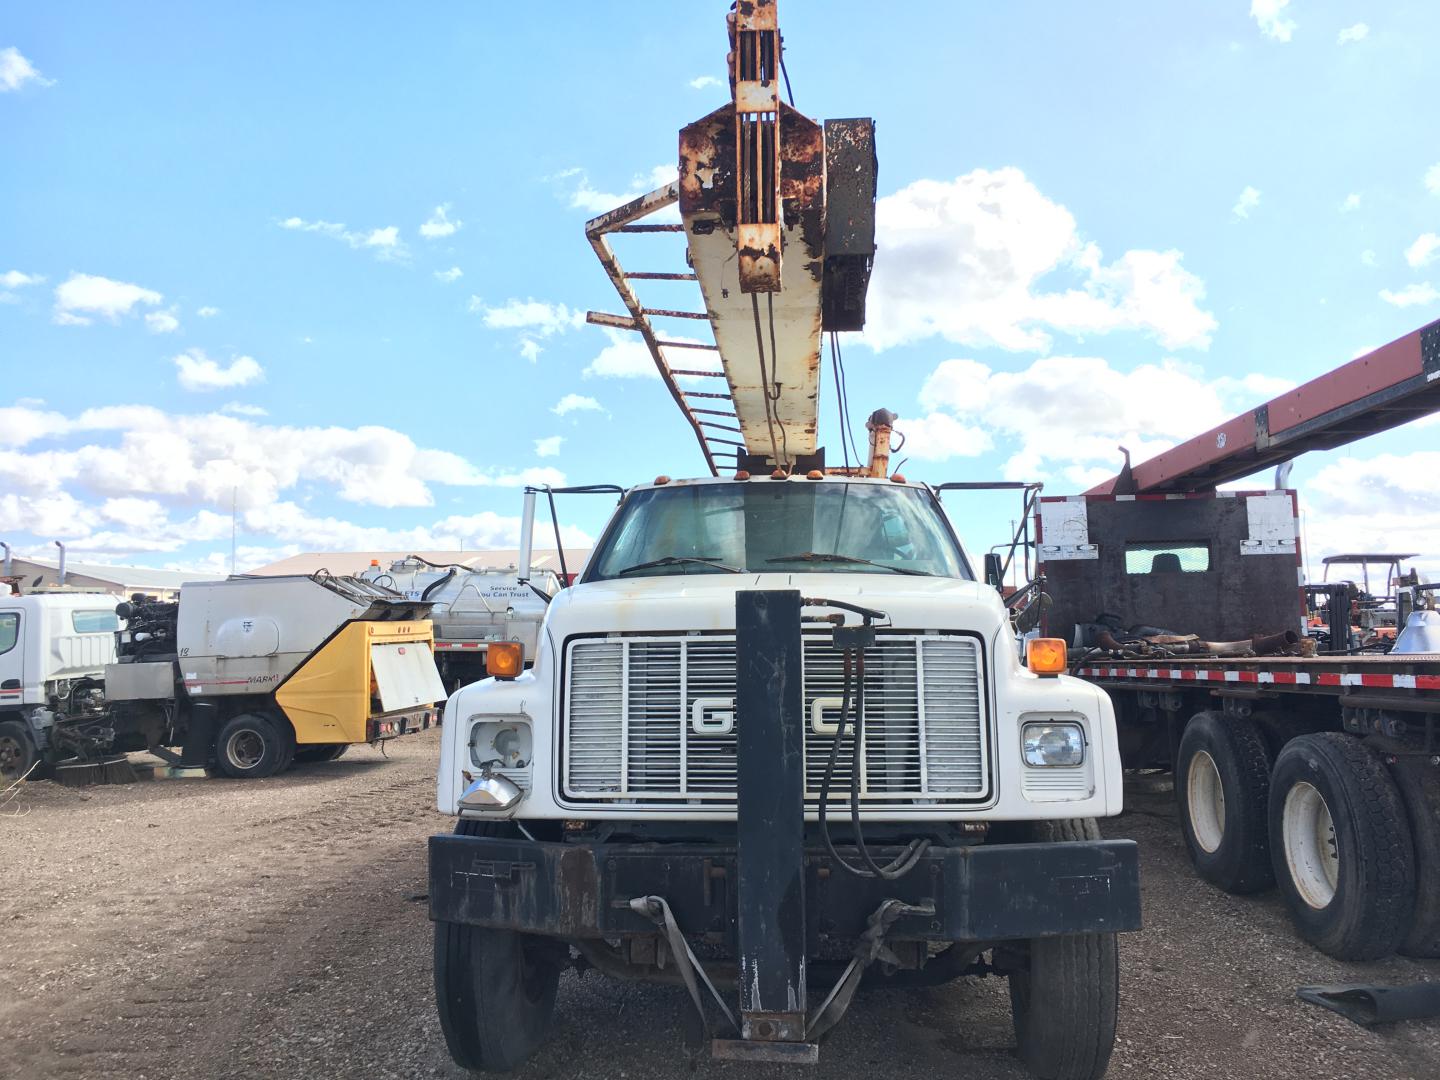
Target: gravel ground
x=204 y=929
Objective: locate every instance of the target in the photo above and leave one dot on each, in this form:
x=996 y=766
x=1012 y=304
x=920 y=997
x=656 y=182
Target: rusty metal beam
x=668 y=313
x=622 y=219
x=604 y=318
x=692 y=371
x=641 y=275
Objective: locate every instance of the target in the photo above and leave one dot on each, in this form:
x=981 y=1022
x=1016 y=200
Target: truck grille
x=652 y=720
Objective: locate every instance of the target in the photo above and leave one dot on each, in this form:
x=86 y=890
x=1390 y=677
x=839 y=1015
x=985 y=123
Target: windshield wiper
x=677 y=560
x=836 y=557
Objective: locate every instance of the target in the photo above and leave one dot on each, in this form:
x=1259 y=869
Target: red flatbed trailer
x=1319 y=774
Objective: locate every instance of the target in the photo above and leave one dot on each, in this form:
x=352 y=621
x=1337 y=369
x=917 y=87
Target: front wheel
x=1065 y=990
x=17 y=751
x=494 y=989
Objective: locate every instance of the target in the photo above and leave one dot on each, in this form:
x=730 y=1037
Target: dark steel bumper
x=984 y=893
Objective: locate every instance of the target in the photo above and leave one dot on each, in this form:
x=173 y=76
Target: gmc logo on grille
x=712 y=716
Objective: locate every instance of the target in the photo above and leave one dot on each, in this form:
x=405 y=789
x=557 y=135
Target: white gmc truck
x=647 y=798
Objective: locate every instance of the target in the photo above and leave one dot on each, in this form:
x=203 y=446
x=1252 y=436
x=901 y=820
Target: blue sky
x=210 y=211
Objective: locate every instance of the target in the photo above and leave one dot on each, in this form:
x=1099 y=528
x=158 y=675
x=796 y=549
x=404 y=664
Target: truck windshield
x=778 y=527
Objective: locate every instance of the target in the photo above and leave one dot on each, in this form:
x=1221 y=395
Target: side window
x=94 y=622
x=9 y=630
x=1183 y=557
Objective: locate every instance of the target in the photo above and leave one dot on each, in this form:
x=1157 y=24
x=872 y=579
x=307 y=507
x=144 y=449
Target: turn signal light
x=506 y=659
x=1046 y=655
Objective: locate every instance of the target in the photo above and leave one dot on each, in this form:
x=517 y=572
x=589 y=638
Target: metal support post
x=771 y=816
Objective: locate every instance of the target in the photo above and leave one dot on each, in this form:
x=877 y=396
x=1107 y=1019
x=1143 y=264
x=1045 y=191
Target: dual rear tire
x=1326 y=822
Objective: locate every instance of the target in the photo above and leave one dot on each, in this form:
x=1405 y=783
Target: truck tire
x=1222 y=789
x=1063 y=1002
x=494 y=989
x=305 y=755
x=248 y=747
x=1341 y=846
x=1419 y=786
x=18 y=754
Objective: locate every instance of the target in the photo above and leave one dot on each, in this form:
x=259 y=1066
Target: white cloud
x=1418 y=293
x=970 y=259
x=1268 y=16
x=447 y=276
x=1249 y=199
x=1358 y=32
x=939 y=437
x=439 y=225
x=161 y=322
x=535 y=316
x=1432 y=179
x=549 y=447
x=16 y=71
x=1383 y=503
x=238 y=408
x=207 y=312
x=1352 y=202
x=1071 y=413
x=83 y=296
x=535 y=319
x=198 y=372
x=701 y=82
x=14 y=279
x=1367 y=258
x=198 y=460
x=1423 y=251
x=384 y=242
x=626 y=357
x=576 y=403
x=583 y=196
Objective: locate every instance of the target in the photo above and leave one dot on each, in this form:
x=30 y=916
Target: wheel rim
x=245 y=748
x=1311 y=852
x=11 y=755
x=1205 y=795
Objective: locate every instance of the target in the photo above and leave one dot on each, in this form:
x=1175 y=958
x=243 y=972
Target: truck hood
x=706 y=602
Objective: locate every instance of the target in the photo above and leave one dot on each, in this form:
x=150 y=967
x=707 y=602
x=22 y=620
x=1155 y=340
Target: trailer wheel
x=1065 y=995
x=1341 y=847
x=18 y=754
x=494 y=989
x=248 y=747
x=1419 y=786
x=1222 y=787
x=321 y=752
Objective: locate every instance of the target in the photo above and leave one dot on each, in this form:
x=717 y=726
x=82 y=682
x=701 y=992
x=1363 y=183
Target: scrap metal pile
x=1108 y=637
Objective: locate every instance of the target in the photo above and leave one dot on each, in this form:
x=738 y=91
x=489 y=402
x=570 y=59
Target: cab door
x=12 y=657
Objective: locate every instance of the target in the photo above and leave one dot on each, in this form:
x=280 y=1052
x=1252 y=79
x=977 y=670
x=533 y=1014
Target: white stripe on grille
x=652 y=719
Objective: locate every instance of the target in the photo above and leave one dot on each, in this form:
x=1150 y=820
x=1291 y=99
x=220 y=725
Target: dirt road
x=205 y=930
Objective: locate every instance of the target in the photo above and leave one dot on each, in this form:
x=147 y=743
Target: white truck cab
x=620 y=803
x=54 y=646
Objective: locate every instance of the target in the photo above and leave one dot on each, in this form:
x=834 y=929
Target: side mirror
x=994 y=571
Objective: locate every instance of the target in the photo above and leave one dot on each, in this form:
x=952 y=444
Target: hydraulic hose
x=906 y=861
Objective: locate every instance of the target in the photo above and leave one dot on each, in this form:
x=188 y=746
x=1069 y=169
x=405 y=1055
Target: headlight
x=1053 y=744
x=501 y=744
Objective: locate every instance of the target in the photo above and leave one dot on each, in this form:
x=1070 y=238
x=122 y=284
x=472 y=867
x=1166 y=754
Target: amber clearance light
x=506 y=659
x=1046 y=655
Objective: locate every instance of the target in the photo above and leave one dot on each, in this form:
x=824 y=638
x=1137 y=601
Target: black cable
x=839 y=402
x=774 y=352
x=845 y=397
x=764 y=378
x=906 y=861
x=788 y=92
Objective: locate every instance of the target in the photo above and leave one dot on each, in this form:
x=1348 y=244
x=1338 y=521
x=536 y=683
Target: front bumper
x=980 y=894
